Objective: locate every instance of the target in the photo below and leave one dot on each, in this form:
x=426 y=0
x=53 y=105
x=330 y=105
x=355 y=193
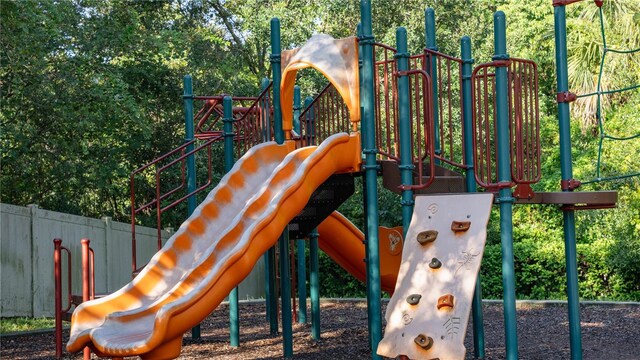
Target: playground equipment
x=424 y=117
x=73 y=300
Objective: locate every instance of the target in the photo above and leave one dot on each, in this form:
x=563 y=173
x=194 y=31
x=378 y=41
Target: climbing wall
x=428 y=313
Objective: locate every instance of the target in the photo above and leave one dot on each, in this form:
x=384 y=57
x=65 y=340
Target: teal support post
x=296 y=109
x=285 y=285
x=314 y=265
x=370 y=178
x=266 y=112
x=406 y=156
x=301 y=244
x=191 y=160
x=302 y=280
x=504 y=179
x=467 y=121
x=277 y=74
x=271 y=297
x=314 y=284
x=234 y=313
x=432 y=69
x=285 y=295
x=566 y=170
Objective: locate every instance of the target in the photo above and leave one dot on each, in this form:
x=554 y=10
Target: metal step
x=445 y=181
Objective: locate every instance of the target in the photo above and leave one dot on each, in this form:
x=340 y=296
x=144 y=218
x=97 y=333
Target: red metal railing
x=255 y=125
x=524 y=125
x=251 y=126
x=88 y=287
x=449 y=106
x=327 y=115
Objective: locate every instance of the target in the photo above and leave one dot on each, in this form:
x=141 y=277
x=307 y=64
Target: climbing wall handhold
x=460 y=226
x=435 y=264
x=445 y=301
x=425 y=342
x=414 y=299
x=427 y=237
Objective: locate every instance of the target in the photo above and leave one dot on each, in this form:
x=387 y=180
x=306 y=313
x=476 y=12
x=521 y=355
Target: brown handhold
x=426 y=237
x=460 y=226
x=445 y=301
x=414 y=299
x=425 y=342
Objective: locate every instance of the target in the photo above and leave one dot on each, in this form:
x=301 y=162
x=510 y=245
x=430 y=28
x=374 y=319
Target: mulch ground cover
x=609 y=332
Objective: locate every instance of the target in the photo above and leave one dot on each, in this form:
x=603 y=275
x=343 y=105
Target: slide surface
x=343 y=242
x=212 y=252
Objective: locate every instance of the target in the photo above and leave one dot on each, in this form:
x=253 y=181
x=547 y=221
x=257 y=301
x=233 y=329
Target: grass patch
x=14 y=324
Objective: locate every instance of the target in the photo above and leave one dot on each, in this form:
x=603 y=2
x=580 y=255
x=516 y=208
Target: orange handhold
x=445 y=301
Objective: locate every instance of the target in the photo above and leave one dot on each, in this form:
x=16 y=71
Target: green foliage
x=15 y=324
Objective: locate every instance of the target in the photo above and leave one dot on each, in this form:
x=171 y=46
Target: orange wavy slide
x=343 y=242
x=213 y=251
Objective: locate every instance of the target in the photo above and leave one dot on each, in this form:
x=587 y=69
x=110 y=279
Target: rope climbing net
x=600 y=93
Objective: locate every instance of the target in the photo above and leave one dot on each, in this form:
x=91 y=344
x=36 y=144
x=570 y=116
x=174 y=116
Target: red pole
x=86 y=283
x=57 y=269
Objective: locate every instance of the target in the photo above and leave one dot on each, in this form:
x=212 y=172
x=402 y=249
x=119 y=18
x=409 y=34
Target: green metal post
x=566 y=170
x=234 y=314
x=277 y=74
x=504 y=177
x=285 y=285
x=314 y=267
x=271 y=297
x=430 y=37
x=296 y=109
x=406 y=156
x=467 y=119
x=279 y=138
x=191 y=160
x=370 y=178
x=314 y=284
x=285 y=295
x=300 y=243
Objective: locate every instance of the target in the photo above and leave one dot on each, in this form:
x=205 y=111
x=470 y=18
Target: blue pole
x=370 y=178
x=504 y=177
x=234 y=313
x=191 y=161
x=432 y=69
x=467 y=119
x=566 y=170
x=406 y=156
x=269 y=266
